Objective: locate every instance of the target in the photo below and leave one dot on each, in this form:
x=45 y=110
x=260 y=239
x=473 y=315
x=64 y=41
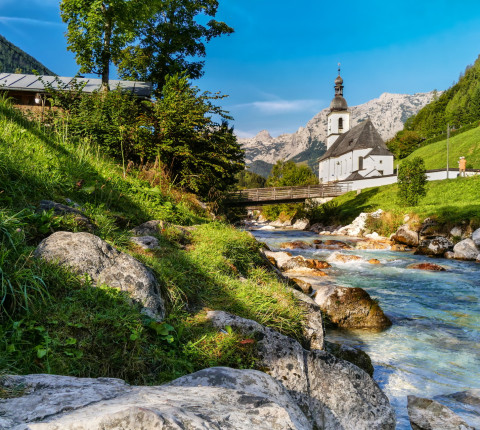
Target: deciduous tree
x=99 y=30
x=172 y=41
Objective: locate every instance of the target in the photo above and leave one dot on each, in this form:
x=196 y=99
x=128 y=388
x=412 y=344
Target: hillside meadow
x=53 y=321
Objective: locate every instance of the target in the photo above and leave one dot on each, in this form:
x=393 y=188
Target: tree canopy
x=172 y=41
x=145 y=39
x=288 y=173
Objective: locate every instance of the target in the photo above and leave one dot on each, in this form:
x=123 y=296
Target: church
x=352 y=153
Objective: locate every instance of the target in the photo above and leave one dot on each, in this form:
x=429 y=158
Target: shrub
x=412 y=181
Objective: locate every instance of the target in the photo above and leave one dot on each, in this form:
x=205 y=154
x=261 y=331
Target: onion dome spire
x=338 y=102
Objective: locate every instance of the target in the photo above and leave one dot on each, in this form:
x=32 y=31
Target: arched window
x=340 y=124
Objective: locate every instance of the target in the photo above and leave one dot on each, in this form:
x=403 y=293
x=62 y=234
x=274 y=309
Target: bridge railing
x=286 y=193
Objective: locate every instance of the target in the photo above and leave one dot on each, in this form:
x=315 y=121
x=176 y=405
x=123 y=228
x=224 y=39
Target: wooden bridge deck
x=267 y=196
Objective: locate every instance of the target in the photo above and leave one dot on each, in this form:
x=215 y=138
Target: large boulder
x=350 y=307
x=406 y=235
x=476 y=237
x=216 y=398
x=301 y=224
x=353 y=355
x=466 y=250
x=435 y=246
x=333 y=393
x=313 y=328
x=300 y=262
x=427 y=414
x=87 y=254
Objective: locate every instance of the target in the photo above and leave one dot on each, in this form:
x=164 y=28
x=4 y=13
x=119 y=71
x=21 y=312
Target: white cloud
x=283 y=106
x=20 y=20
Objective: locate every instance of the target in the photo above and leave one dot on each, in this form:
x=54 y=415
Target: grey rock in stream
x=216 y=398
x=406 y=235
x=427 y=414
x=87 y=254
x=334 y=394
x=466 y=250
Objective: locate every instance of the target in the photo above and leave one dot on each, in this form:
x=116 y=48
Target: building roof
x=34 y=83
x=362 y=136
x=354 y=176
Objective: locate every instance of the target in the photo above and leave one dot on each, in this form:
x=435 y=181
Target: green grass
x=450 y=201
x=53 y=322
x=466 y=144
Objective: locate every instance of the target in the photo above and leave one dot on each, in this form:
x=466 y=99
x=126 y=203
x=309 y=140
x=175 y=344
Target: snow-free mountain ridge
x=387 y=112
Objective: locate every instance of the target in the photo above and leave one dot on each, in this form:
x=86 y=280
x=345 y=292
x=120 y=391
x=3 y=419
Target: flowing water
x=433 y=347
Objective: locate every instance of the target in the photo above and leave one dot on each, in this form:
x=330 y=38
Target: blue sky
x=279 y=66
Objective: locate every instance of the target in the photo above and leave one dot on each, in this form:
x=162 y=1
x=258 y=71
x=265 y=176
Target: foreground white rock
x=87 y=254
x=333 y=393
x=215 y=398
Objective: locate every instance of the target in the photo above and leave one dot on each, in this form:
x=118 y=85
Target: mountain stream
x=433 y=347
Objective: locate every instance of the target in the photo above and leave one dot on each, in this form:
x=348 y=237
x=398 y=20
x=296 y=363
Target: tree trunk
x=106 y=55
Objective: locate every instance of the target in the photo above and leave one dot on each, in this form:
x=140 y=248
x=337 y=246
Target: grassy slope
x=450 y=201
x=466 y=144
x=52 y=322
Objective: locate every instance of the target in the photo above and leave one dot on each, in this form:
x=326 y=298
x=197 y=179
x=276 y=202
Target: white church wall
x=381 y=163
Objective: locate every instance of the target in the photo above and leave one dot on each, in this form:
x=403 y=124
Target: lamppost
x=448 y=139
x=39 y=98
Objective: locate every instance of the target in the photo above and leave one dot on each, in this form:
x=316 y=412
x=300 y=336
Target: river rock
x=313 y=329
x=374 y=261
x=333 y=393
x=279 y=258
x=382 y=243
x=468 y=397
x=317 y=228
x=296 y=244
x=301 y=224
x=212 y=398
x=466 y=250
x=279 y=223
x=456 y=231
x=436 y=246
x=427 y=266
x=353 y=355
x=429 y=227
x=87 y=254
x=427 y=414
x=350 y=307
x=338 y=257
x=476 y=237
x=357 y=227
x=304 y=286
x=406 y=236
x=300 y=262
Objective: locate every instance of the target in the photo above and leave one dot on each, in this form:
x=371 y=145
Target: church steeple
x=338 y=117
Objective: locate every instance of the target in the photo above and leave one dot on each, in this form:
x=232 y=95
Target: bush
x=412 y=181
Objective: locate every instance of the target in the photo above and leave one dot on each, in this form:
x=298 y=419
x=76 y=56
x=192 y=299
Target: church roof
x=354 y=176
x=362 y=136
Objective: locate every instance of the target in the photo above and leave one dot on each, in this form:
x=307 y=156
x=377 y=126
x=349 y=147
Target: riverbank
x=432 y=349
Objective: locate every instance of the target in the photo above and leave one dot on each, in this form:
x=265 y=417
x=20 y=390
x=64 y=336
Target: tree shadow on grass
x=352 y=208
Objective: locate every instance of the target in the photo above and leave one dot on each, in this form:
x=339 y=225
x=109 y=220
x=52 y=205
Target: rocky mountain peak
x=388 y=113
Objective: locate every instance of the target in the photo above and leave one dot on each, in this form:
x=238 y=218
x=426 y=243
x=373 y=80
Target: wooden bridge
x=268 y=196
